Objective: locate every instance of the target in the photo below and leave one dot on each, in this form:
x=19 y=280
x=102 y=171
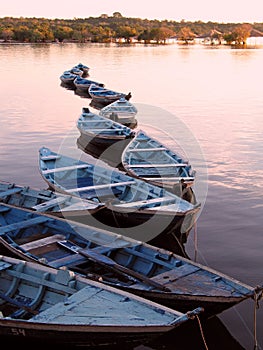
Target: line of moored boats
x=97 y=258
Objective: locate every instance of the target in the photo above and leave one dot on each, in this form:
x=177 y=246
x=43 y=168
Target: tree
x=163 y=33
x=186 y=34
x=7 y=34
x=241 y=33
x=117 y=15
x=126 y=32
x=63 y=32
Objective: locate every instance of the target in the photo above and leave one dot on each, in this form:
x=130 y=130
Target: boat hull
x=213 y=305
x=77 y=335
x=160 y=229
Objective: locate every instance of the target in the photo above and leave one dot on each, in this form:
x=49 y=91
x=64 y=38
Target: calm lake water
x=206 y=101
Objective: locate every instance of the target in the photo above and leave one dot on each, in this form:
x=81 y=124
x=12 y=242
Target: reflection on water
x=210 y=103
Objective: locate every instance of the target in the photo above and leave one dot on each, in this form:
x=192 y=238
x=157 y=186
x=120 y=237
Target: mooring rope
x=195 y=240
x=202 y=332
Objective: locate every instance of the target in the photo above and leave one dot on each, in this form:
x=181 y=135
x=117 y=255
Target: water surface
x=205 y=101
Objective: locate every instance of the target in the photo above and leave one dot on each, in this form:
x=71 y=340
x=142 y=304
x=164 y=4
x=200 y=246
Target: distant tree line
x=106 y=28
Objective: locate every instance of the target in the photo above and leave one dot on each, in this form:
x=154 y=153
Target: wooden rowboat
x=43 y=200
x=147 y=158
x=106 y=96
x=121 y=111
x=104 y=135
x=139 y=209
x=153 y=273
x=83 y=84
x=41 y=303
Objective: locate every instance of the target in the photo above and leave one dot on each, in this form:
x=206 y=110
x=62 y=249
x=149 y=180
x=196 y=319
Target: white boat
x=150 y=160
x=121 y=111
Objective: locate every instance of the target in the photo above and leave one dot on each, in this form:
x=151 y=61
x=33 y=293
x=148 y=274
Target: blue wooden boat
x=106 y=96
x=61 y=308
x=148 y=159
x=46 y=201
x=68 y=77
x=83 y=67
x=103 y=133
x=139 y=209
x=130 y=265
x=76 y=71
x=121 y=111
x=83 y=84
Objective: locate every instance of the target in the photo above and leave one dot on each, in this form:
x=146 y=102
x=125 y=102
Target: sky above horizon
x=191 y=10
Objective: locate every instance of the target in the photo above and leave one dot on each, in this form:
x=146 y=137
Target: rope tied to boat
x=258 y=294
x=201 y=331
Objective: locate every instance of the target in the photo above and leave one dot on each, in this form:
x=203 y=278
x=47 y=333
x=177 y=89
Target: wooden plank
x=145 y=202
x=147 y=149
x=41 y=242
x=176 y=273
x=66 y=168
x=106 y=130
x=41 y=281
x=94 y=121
x=186 y=178
x=157 y=165
x=4 y=209
x=50 y=157
x=98 y=187
x=24 y=224
x=50 y=203
x=10 y=191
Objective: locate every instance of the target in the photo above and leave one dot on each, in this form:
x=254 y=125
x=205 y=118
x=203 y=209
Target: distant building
x=214 y=37
x=255 y=38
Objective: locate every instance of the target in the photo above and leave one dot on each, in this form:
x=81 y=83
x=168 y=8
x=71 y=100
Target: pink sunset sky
x=190 y=10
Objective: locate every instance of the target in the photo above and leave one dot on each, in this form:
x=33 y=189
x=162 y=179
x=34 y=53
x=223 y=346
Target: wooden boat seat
x=50 y=157
x=145 y=202
x=94 y=121
x=105 y=130
x=50 y=203
x=173 y=178
x=157 y=149
x=76 y=259
x=157 y=165
x=42 y=242
x=24 y=224
x=10 y=192
x=66 y=168
x=99 y=187
x=43 y=281
x=171 y=276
